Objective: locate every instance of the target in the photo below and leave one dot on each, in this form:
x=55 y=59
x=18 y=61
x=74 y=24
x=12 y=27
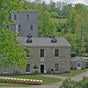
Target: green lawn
x=73 y=73
x=86 y=80
x=46 y=80
x=12 y=84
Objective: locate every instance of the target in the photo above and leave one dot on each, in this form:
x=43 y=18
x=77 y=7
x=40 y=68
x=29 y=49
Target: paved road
x=56 y=85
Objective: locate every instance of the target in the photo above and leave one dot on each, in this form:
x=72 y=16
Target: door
x=42 y=68
x=79 y=66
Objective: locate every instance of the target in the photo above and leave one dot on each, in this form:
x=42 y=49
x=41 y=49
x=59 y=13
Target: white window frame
x=58 y=53
x=56 y=68
x=40 y=53
x=28 y=68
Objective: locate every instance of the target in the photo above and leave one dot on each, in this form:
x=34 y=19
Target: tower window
x=28 y=16
x=19 y=28
x=7 y=26
x=31 y=27
x=15 y=17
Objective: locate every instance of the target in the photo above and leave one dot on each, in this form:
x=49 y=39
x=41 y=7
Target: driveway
x=80 y=76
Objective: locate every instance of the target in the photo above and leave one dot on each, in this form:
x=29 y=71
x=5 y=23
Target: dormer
x=53 y=40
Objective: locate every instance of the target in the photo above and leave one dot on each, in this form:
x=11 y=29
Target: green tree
x=10 y=51
x=46 y=25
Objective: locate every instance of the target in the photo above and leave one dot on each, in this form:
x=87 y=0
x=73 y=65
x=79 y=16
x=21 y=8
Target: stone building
x=46 y=55
x=24 y=22
x=77 y=63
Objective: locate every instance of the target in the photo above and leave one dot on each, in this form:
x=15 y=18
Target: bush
x=68 y=83
x=87 y=64
x=17 y=73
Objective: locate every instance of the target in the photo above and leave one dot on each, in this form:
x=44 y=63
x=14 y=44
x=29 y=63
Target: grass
x=46 y=80
x=73 y=73
x=86 y=79
x=12 y=84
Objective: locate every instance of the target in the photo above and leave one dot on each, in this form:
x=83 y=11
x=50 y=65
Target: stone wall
x=49 y=60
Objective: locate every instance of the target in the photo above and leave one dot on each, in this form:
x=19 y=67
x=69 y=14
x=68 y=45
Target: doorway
x=42 y=68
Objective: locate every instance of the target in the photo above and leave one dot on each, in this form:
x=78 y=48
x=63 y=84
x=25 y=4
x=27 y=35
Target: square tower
x=25 y=22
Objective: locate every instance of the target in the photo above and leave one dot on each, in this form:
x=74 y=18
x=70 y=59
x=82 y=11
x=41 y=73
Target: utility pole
x=80 y=46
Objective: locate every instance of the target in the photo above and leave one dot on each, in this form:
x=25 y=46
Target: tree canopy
x=10 y=51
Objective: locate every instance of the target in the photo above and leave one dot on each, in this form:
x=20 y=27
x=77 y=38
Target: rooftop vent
x=29 y=36
x=53 y=40
x=29 y=40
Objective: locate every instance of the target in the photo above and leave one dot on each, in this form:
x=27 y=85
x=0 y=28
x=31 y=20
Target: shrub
x=68 y=83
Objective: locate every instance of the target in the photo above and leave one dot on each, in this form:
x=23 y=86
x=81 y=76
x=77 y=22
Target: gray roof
x=43 y=41
x=23 y=11
x=77 y=59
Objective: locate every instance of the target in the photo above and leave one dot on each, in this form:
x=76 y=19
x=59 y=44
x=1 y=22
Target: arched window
x=15 y=17
x=28 y=68
x=79 y=65
x=28 y=16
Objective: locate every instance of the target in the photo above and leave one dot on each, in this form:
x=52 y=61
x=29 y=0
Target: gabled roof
x=24 y=11
x=77 y=59
x=44 y=41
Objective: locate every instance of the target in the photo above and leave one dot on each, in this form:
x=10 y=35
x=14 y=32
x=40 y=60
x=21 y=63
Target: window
x=5 y=69
x=15 y=17
x=19 y=28
x=56 y=52
x=7 y=26
x=56 y=67
x=28 y=68
x=41 y=52
x=31 y=27
x=28 y=16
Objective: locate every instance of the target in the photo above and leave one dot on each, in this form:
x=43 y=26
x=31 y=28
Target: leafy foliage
x=68 y=83
x=10 y=51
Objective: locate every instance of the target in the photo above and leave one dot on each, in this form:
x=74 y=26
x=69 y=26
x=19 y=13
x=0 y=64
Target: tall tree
x=10 y=51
